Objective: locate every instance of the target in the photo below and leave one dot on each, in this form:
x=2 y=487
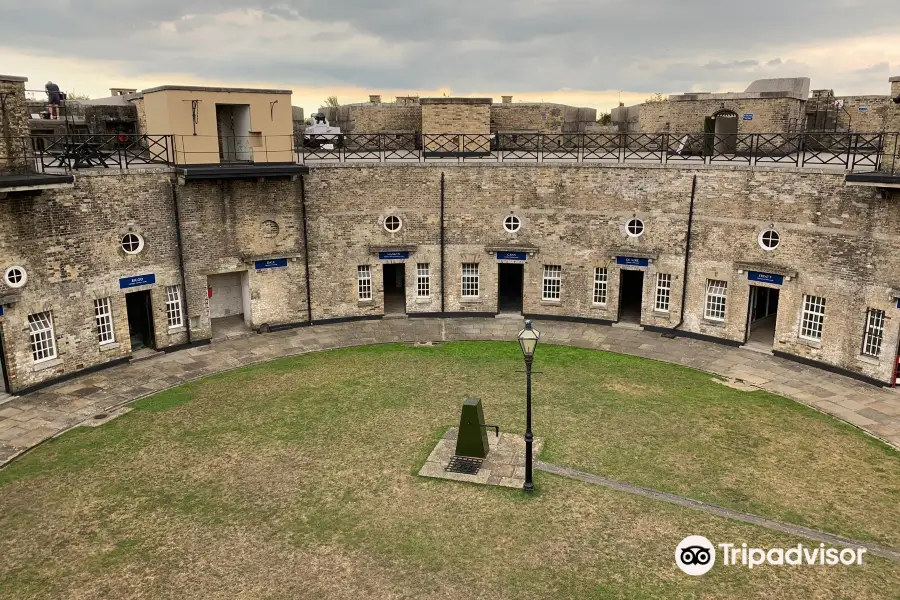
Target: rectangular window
x=173 y=306
x=364 y=282
x=874 y=333
x=423 y=281
x=715 y=299
x=663 y=291
x=103 y=318
x=813 y=318
x=552 y=282
x=470 y=280
x=43 y=341
x=600 y=285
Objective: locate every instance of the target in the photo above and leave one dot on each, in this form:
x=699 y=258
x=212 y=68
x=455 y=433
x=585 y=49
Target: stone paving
x=28 y=420
x=504 y=465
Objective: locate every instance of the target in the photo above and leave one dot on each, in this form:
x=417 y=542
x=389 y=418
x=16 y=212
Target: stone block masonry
x=13 y=123
x=457 y=115
x=837 y=242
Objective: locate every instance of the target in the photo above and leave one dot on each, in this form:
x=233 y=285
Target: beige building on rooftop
x=221 y=125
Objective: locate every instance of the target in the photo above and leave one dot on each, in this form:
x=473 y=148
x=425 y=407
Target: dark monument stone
x=472 y=439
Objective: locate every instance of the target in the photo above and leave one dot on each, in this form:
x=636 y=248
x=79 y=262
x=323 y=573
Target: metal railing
x=857 y=152
x=849 y=151
x=72 y=152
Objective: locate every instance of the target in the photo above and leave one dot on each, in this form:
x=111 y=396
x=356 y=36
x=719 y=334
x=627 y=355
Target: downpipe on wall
x=687 y=254
x=442 y=243
x=185 y=294
x=305 y=248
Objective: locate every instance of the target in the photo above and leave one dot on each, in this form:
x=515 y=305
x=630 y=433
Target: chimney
x=375 y=98
x=506 y=99
x=621 y=104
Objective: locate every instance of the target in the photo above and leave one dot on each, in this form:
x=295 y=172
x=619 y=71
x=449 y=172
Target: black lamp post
x=528 y=339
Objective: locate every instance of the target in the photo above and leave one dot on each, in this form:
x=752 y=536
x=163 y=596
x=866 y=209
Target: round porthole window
x=634 y=227
x=393 y=223
x=132 y=243
x=15 y=277
x=512 y=223
x=769 y=239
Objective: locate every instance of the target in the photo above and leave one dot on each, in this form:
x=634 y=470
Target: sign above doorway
x=137 y=281
x=748 y=116
x=765 y=277
x=632 y=261
x=271 y=263
x=512 y=256
x=394 y=255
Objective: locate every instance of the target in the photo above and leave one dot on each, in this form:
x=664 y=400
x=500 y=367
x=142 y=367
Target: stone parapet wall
x=13 y=124
x=768 y=115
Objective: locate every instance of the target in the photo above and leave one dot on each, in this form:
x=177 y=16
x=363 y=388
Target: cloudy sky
x=584 y=52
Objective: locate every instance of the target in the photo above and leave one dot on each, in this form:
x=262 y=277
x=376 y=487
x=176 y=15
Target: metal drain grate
x=464 y=464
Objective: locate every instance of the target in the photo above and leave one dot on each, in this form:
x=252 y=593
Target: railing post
x=851 y=149
x=802 y=141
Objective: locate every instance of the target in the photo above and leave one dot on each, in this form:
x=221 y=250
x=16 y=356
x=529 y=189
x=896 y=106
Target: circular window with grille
x=634 y=227
x=15 y=277
x=132 y=243
x=393 y=223
x=512 y=223
x=769 y=239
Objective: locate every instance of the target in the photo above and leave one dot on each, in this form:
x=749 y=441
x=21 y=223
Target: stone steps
x=4 y=397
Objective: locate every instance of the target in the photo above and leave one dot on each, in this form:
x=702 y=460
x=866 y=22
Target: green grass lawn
x=296 y=479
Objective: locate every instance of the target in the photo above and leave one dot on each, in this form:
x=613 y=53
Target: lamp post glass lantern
x=528 y=339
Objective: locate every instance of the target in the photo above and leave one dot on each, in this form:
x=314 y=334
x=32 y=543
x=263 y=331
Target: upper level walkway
x=842 y=152
x=29 y=420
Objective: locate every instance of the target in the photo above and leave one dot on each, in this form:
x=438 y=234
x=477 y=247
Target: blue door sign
x=512 y=256
x=270 y=263
x=137 y=281
x=632 y=261
x=765 y=277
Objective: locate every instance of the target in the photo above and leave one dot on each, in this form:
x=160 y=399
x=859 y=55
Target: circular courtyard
x=296 y=478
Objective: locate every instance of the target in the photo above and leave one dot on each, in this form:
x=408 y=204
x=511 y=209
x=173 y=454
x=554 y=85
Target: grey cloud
x=881 y=67
x=468 y=45
x=734 y=64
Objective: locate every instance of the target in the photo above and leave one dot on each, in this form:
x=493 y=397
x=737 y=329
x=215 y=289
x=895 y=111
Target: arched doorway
x=725 y=129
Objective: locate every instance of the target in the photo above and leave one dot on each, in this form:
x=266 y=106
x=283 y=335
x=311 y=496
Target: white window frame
x=762 y=236
x=716 y=299
x=364 y=283
x=140 y=240
x=812 y=318
x=423 y=280
x=601 y=286
x=512 y=223
x=470 y=280
x=42 y=336
x=106 y=333
x=636 y=221
x=399 y=223
x=7 y=277
x=873 y=336
x=663 y=292
x=551 y=288
x=174 y=312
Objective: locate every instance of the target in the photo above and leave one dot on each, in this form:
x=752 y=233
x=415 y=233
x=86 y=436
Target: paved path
x=28 y=420
x=719 y=511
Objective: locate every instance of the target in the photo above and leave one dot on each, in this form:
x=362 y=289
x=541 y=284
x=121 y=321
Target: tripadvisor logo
x=696 y=555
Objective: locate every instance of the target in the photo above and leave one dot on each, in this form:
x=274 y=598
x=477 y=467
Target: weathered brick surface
x=68 y=241
x=770 y=115
x=226 y=227
x=13 y=124
x=873 y=117
x=456 y=115
x=839 y=242
x=541 y=118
